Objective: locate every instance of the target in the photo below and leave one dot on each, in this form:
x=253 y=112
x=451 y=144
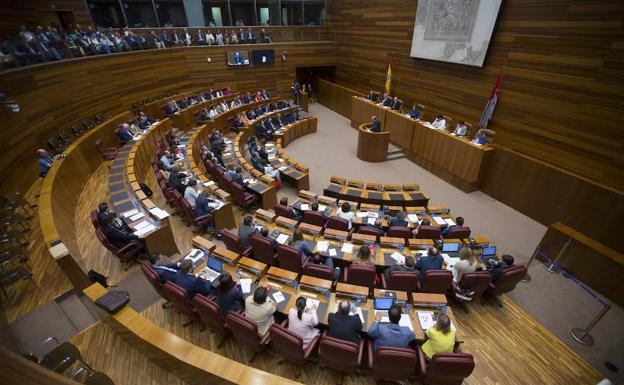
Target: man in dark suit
x=386 y=101
x=246 y=230
x=119 y=237
x=372 y=96
x=172 y=108
x=124 y=134
x=498 y=268
x=396 y=103
x=175 y=182
x=251 y=115
x=375 y=125
x=344 y=326
x=104 y=213
x=256 y=161
x=144 y=122
x=277 y=122
x=184 y=278
x=399 y=220
x=247 y=98
x=432 y=261
x=236 y=175
x=250 y=36
x=459 y=222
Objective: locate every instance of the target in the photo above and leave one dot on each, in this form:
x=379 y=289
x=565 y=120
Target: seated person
x=425 y=222
x=230 y=295
x=346 y=213
x=459 y=222
x=246 y=230
x=318 y=259
x=277 y=122
x=344 y=326
x=399 y=220
x=264 y=233
x=256 y=161
x=295 y=214
x=375 y=125
x=303 y=320
x=408 y=266
x=236 y=174
x=396 y=103
x=440 y=338
x=386 y=101
x=167 y=160
x=260 y=308
x=304 y=246
x=364 y=257
x=247 y=98
x=205 y=203
x=439 y=122
x=415 y=112
x=461 y=130
x=498 y=267
x=251 y=115
x=315 y=207
x=185 y=278
x=191 y=193
x=45 y=162
x=268 y=170
x=390 y=334
x=172 y=108
x=237 y=123
x=104 y=212
x=124 y=134
x=175 y=181
x=432 y=261
x=144 y=122
x=467 y=264
x=118 y=236
x=372 y=96
x=265 y=94
x=480 y=137
x=205 y=115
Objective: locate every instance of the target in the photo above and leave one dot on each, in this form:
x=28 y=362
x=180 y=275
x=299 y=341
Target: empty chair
x=180 y=299
x=19 y=273
x=408 y=281
x=57 y=358
x=392 y=364
x=106 y=153
x=232 y=242
x=284 y=211
x=313 y=218
x=12 y=237
x=437 y=281
x=210 y=316
x=506 y=282
x=154 y=280
x=262 y=250
x=445 y=368
x=13 y=253
x=245 y=333
x=16 y=203
x=340 y=355
x=428 y=232
x=458 y=232
x=360 y=274
x=477 y=282
x=289 y=258
x=243 y=198
x=290 y=346
x=319 y=271
x=399 y=232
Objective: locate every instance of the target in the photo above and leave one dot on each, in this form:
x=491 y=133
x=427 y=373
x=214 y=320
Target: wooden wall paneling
x=336 y=97
x=14 y=13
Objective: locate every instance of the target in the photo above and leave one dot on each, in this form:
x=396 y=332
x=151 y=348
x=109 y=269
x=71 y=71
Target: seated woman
x=230 y=295
x=304 y=246
x=346 y=213
x=303 y=321
x=440 y=338
x=270 y=171
x=467 y=264
x=363 y=256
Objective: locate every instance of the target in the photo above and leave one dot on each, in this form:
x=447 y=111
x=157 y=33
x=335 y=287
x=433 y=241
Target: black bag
x=146 y=190
x=96 y=277
x=113 y=301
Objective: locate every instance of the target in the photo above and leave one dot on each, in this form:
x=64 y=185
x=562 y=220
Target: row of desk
x=385 y=198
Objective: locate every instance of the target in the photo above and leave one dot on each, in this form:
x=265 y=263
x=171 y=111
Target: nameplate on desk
x=286 y=222
x=310 y=229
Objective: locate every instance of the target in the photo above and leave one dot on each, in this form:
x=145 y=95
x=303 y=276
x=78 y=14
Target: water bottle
x=407 y=308
x=295 y=284
x=358 y=301
x=327 y=294
x=443 y=309
x=238 y=273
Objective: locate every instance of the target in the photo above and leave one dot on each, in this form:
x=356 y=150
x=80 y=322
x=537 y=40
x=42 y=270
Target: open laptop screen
x=383 y=303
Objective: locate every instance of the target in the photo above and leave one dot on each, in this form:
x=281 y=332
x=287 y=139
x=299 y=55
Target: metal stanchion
x=527 y=277
x=552 y=268
x=582 y=336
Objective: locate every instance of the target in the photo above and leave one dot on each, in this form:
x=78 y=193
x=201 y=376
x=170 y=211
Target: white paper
x=332 y=252
x=358 y=311
x=283 y=168
x=406 y=321
x=141 y=225
x=413 y=218
x=361 y=214
x=159 y=213
x=282 y=238
x=322 y=245
x=398 y=257
x=130 y=213
x=209 y=183
x=249 y=181
x=144 y=230
x=450 y=261
x=439 y=220
x=449 y=221
x=371 y=221
x=347 y=248
x=322 y=208
x=305 y=206
x=137 y=217
x=245 y=285
x=371 y=214
x=278 y=297
x=425 y=319
x=312 y=302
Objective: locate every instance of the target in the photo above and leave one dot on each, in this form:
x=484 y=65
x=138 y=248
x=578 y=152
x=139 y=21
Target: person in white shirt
x=467 y=264
x=439 y=122
x=270 y=171
x=219 y=38
x=212 y=113
x=260 y=308
x=461 y=129
x=303 y=320
x=346 y=213
x=188 y=39
x=210 y=39
x=190 y=193
x=224 y=106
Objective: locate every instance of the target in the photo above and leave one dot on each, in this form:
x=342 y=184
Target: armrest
x=311 y=347
x=422 y=362
x=306 y=260
x=360 y=352
x=265 y=338
x=203 y=219
x=345 y=274
x=284 y=323
x=130 y=248
x=382 y=280
x=370 y=354
x=247 y=251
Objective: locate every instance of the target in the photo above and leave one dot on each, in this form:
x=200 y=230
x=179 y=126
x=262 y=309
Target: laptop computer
x=489 y=252
x=451 y=247
x=382 y=305
x=213 y=269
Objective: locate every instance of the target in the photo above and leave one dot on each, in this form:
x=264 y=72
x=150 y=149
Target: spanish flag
x=388 y=78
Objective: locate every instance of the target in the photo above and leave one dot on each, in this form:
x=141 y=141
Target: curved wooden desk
x=372 y=146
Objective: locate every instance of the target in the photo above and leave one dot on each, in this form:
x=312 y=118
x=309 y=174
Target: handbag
x=113 y=301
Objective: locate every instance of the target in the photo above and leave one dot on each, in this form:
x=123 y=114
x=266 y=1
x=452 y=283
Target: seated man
x=399 y=220
x=318 y=259
x=45 y=162
x=315 y=207
x=375 y=125
x=256 y=161
x=260 y=308
x=183 y=277
x=246 y=230
x=144 y=122
x=344 y=326
x=124 y=134
x=104 y=213
x=172 y=108
x=396 y=103
x=372 y=96
x=236 y=174
x=264 y=232
x=237 y=123
x=167 y=160
x=409 y=266
x=205 y=203
x=386 y=101
x=175 y=182
x=415 y=112
x=432 y=261
x=480 y=137
x=497 y=267
x=459 y=222
x=439 y=122
x=295 y=214
x=118 y=236
x=390 y=334
x=461 y=130
x=251 y=115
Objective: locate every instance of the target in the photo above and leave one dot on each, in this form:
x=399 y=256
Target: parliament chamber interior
x=311 y=191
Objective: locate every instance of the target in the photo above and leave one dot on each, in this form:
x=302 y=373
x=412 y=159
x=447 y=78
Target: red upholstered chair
x=210 y=316
x=506 y=282
x=154 y=280
x=180 y=299
x=337 y=224
x=359 y=274
x=428 y=232
x=340 y=355
x=399 y=232
x=95 y=219
x=478 y=282
x=445 y=368
x=245 y=332
x=318 y=271
x=191 y=218
x=232 y=243
x=284 y=211
x=408 y=281
x=106 y=153
x=126 y=254
x=437 y=281
x=290 y=346
x=313 y=218
x=167 y=192
x=243 y=198
x=368 y=230
x=458 y=232
x=262 y=250
x=392 y=364
x=289 y=258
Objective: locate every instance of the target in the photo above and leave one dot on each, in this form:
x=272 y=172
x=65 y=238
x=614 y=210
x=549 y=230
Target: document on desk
x=371 y=214
x=322 y=246
x=332 y=252
x=413 y=218
x=398 y=257
x=322 y=208
x=347 y=248
x=249 y=181
x=305 y=206
x=283 y=168
x=278 y=297
x=361 y=214
x=209 y=183
x=141 y=225
x=282 y=238
x=450 y=261
x=425 y=319
x=130 y=213
x=145 y=230
x=406 y=321
x=371 y=221
x=439 y=220
x=136 y=217
x=358 y=311
x=312 y=302
x=245 y=285
x=449 y=221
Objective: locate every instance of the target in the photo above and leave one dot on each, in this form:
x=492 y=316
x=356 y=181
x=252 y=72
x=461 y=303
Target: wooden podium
x=372 y=146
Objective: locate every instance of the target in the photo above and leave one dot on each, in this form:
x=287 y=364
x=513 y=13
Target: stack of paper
x=305 y=206
x=136 y=217
x=278 y=297
x=322 y=208
x=425 y=318
x=361 y=214
x=141 y=225
x=282 y=238
x=347 y=248
x=406 y=321
x=322 y=246
x=398 y=257
x=159 y=213
x=371 y=214
x=371 y=221
x=130 y=213
x=144 y=230
x=245 y=285
x=413 y=218
x=283 y=168
x=209 y=183
x=312 y=302
x=332 y=252
x=449 y=221
x=439 y=220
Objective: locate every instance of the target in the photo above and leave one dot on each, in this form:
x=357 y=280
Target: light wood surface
x=372 y=146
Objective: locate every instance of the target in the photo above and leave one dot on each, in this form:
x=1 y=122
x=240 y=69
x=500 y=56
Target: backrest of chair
x=399 y=232
x=262 y=250
x=394 y=364
x=367 y=230
x=109 y=246
x=449 y=369
x=338 y=180
x=209 y=313
x=314 y=218
x=95 y=219
x=404 y=280
x=509 y=279
x=339 y=354
x=232 y=241
x=179 y=298
x=355 y=183
x=319 y=271
x=428 y=232
x=337 y=224
x=187 y=209
x=283 y=211
x=478 y=281
x=238 y=193
x=392 y=187
x=289 y=258
x=152 y=277
x=287 y=344
x=437 y=281
x=360 y=274
x=458 y=233
x=98 y=145
x=244 y=330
